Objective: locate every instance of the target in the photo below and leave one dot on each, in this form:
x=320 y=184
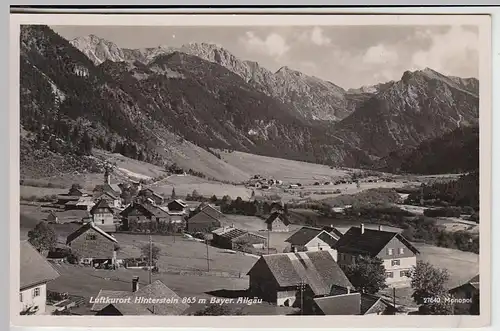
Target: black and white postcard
x=250 y=166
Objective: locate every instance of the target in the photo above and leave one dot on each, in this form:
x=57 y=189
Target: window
x=36 y=292
x=389 y=251
x=20 y=297
x=404 y=273
x=389 y=275
x=91 y=236
x=102 y=221
x=401 y=250
x=395 y=262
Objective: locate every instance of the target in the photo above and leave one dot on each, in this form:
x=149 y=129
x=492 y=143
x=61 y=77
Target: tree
x=173 y=195
x=216 y=310
x=428 y=283
x=253 y=194
x=213 y=199
x=367 y=274
x=85 y=146
x=76 y=186
x=43 y=237
x=285 y=209
x=155 y=252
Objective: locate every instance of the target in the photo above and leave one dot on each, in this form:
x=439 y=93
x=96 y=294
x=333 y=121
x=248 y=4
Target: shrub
x=443 y=212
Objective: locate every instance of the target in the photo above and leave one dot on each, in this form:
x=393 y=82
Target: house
x=312 y=239
x=107 y=186
x=103 y=216
x=345 y=302
x=152 y=299
x=52 y=217
x=206 y=220
x=93 y=245
x=77 y=192
x=333 y=231
x=82 y=203
x=210 y=209
x=148 y=193
x=276 y=278
x=63 y=199
x=278 y=222
x=233 y=238
x=143 y=213
x=177 y=206
x=35 y=273
x=466 y=292
x=398 y=254
x=112 y=200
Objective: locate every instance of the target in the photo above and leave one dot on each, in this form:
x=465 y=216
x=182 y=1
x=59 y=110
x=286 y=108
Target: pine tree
x=173 y=196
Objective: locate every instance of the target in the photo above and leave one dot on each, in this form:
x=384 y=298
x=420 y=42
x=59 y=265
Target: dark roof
x=147 y=208
x=204 y=217
x=233 y=233
x=212 y=212
x=472 y=285
x=84 y=228
x=101 y=204
x=371 y=242
x=275 y=215
x=318 y=269
x=371 y=304
x=34 y=268
x=305 y=234
x=99 y=195
x=179 y=202
x=155 y=290
x=334 y=231
x=151 y=191
x=343 y=304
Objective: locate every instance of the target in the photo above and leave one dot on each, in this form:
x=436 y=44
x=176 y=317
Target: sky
x=348 y=56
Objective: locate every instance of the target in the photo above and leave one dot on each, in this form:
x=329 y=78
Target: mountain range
x=150 y=104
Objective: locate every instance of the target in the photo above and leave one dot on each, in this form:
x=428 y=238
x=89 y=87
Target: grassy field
x=187 y=184
x=461 y=265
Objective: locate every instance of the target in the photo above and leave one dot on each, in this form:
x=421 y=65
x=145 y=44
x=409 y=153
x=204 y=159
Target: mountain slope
x=311 y=97
x=422 y=105
x=454 y=152
x=211 y=106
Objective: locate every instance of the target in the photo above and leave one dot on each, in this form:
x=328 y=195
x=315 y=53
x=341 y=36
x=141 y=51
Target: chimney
x=331 y=225
x=380 y=227
x=348 y=290
x=294 y=249
x=135 y=283
x=362 y=228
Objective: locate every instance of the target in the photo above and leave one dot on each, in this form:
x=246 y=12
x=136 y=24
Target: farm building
x=466 y=291
x=345 y=302
x=77 y=192
x=278 y=222
x=68 y=216
x=104 y=216
x=205 y=221
x=82 y=203
x=107 y=186
x=333 y=231
x=177 y=206
x=143 y=213
x=233 y=238
x=169 y=302
x=35 y=273
x=398 y=254
x=112 y=200
x=148 y=193
x=312 y=239
x=275 y=278
x=93 y=245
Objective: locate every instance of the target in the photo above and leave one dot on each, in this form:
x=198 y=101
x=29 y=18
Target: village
x=96 y=253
